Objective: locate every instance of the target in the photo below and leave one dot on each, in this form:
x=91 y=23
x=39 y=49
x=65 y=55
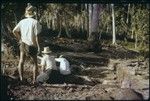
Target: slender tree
x=90 y=20
x=87 y=17
x=127 y=20
x=113 y=25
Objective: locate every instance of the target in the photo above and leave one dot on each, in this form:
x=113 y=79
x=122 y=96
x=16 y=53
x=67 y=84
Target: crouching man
x=67 y=77
x=48 y=66
x=64 y=67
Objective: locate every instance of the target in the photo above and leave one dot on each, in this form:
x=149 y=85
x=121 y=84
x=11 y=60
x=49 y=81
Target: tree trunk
x=53 y=23
x=142 y=42
x=132 y=34
x=47 y=20
x=57 y=21
x=95 y=18
x=83 y=24
x=93 y=30
x=90 y=20
x=136 y=40
x=113 y=25
x=87 y=19
x=66 y=27
x=127 y=21
x=108 y=10
x=84 y=18
x=107 y=29
x=50 y=21
x=60 y=26
x=15 y=18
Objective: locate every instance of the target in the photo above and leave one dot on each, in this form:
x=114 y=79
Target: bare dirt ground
x=106 y=78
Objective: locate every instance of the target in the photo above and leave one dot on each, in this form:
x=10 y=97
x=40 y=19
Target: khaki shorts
x=28 y=50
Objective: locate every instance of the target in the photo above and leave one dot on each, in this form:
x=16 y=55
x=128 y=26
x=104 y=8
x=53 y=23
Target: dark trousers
x=55 y=77
x=50 y=76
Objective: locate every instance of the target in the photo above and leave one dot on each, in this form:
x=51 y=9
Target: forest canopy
x=131 y=21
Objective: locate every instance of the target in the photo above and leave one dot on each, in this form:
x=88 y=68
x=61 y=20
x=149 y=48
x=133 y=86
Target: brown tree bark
x=87 y=17
x=66 y=27
x=90 y=20
x=136 y=40
x=93 y=28
x=60 y=28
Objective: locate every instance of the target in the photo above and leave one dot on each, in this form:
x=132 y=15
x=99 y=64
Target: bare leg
x=35 y=68
x=20 y=65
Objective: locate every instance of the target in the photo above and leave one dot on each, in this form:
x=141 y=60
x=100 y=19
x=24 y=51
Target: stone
x=128 y=94
x=98 y=97
x=123 y=71
x=109 y=82
x=126 y=83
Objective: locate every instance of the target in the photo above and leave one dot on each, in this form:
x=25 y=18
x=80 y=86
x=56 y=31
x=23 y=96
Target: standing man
x=27 y=31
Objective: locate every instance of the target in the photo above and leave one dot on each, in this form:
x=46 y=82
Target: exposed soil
x=106 y=78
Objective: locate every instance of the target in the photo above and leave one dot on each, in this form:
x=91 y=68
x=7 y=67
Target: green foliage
x=105 y=22
x=76 y=16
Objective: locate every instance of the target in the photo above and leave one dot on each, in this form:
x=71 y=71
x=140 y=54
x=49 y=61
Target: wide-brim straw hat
x=30 y=11
x=46 y=50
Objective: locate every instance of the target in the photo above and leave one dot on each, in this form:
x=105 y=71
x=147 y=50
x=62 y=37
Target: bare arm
x=43 y=64
x=38 y=29
x=37 y=42
x=43 y=68
x=57 y=59
x=17 y=34
x=16 y=31
x=39 y=57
